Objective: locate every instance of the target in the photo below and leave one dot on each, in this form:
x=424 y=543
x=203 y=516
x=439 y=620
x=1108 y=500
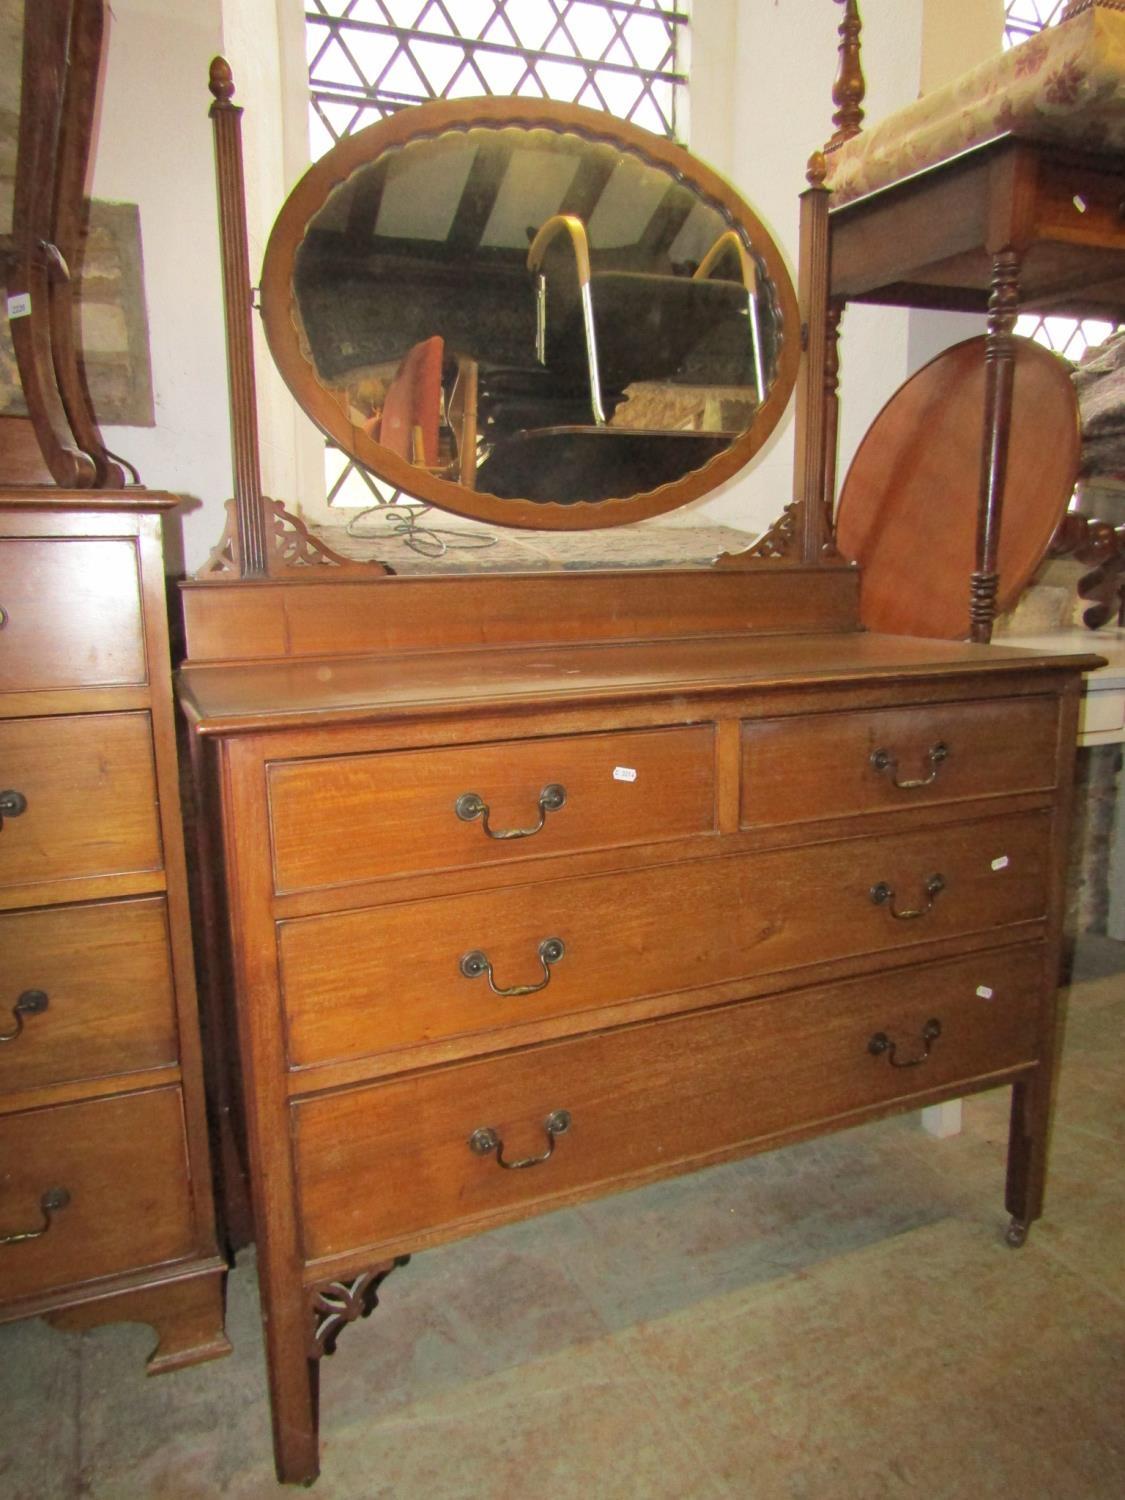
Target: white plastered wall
x=762 y=78
x=153 y=148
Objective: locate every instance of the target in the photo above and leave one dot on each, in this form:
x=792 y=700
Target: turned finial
x=817 y=170
x=221 y=80
x=849 y=88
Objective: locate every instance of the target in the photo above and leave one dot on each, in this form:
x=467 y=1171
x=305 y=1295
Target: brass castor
x=1016 y=1234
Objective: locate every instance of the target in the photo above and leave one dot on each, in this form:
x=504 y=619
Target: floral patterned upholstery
x=1066 y=83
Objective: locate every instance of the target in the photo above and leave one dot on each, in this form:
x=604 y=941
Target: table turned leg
x=831 y=415
x=999 y=374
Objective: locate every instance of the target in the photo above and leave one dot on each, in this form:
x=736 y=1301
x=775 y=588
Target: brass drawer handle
x=30 y=1003
x=51 y=1202
x=12 y=804
x=884 y=895
x=470 y=805
x=881 y=1043
x=486 y=1142
x=476 y=963
x=883 y=760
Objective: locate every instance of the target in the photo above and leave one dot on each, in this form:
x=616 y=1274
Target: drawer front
x=834 y=765
x=89 y=785
x=356 y=983
x=379 y=1164
x=1082 y=207
x=85 y=992
x=71 y=614
x=363 y=817
x=122 y=1164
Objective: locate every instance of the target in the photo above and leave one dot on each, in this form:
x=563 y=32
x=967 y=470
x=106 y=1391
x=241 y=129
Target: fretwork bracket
x=291 y=550
x=335 y=1304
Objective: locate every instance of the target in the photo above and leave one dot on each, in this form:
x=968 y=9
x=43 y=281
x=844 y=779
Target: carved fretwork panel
x=335 y=1304
x=291 y=549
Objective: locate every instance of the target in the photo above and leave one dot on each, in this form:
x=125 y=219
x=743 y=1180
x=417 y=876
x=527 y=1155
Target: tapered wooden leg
x=1027 y=1155
x=294 y=1381
x=999 y=376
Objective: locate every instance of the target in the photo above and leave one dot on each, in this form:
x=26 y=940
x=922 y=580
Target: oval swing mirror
x=530 y=314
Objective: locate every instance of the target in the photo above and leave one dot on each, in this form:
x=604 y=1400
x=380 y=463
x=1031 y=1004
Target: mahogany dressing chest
x=528 y=888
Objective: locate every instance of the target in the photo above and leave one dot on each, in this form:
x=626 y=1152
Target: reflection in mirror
x=532 y=313
x=11 y=77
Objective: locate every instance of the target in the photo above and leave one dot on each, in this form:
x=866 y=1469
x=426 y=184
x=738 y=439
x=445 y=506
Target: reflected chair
x=612 y=327
x=417 y=412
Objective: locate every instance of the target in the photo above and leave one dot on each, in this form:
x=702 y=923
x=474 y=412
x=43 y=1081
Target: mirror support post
x=249 y=512
x=811 y=455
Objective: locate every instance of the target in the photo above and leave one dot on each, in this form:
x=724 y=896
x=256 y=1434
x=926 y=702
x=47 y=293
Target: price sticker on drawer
x=1001 y=862
x=984 y=992
x=624 y=773
x=19 y=306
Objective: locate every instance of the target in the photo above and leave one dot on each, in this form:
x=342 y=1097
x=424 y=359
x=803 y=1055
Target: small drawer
x=88 y=793
x=364 y=817
x=834 y=765
x=1083 y=207
x=384 y=1163
x=85 y=992
x=117 y=1169
x=361 y=982
x=70 y=614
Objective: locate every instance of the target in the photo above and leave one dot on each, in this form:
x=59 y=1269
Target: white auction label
x=984 y=992
x=624 y=773
x=1000 y=862
x=19 y=306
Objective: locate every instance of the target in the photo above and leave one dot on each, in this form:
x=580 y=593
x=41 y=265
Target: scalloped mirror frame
x=281 y=322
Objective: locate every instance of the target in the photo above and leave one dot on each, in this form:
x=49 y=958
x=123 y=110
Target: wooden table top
x=242 y=698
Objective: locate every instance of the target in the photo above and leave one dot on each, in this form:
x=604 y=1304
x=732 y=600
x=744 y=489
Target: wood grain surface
x=379 y=1164
x=908 y=507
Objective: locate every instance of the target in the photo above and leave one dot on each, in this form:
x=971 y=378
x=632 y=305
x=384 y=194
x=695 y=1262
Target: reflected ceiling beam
x=595 y=168
x=478 y=197
x=669 y=217
x=364 y=210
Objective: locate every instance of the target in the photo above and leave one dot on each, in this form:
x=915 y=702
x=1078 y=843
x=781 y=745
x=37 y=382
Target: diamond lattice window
x=1023 y=18
x=369 y=58
x=1066 y=336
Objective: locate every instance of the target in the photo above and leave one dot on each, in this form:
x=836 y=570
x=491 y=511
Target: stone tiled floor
x=836 y=1321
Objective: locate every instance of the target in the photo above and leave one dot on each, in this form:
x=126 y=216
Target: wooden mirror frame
x=426 y=121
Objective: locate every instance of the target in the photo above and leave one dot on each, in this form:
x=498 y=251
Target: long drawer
x=833 y=765
x=382 y=1163
x=85 y=991
x=363 y=817
x=355 y=983
x=88 y=788
x=71 y=613
x=118 y=1171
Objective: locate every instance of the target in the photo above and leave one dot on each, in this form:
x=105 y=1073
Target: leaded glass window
x=1023 y=18
x=368 y=58
x=1069 y=337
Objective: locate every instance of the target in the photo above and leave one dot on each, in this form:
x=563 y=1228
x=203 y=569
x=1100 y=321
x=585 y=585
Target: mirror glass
x=554 y=322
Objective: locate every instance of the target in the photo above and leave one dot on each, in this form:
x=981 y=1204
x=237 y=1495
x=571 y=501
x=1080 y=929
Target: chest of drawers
x=525 y=920
x=106 y=1209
